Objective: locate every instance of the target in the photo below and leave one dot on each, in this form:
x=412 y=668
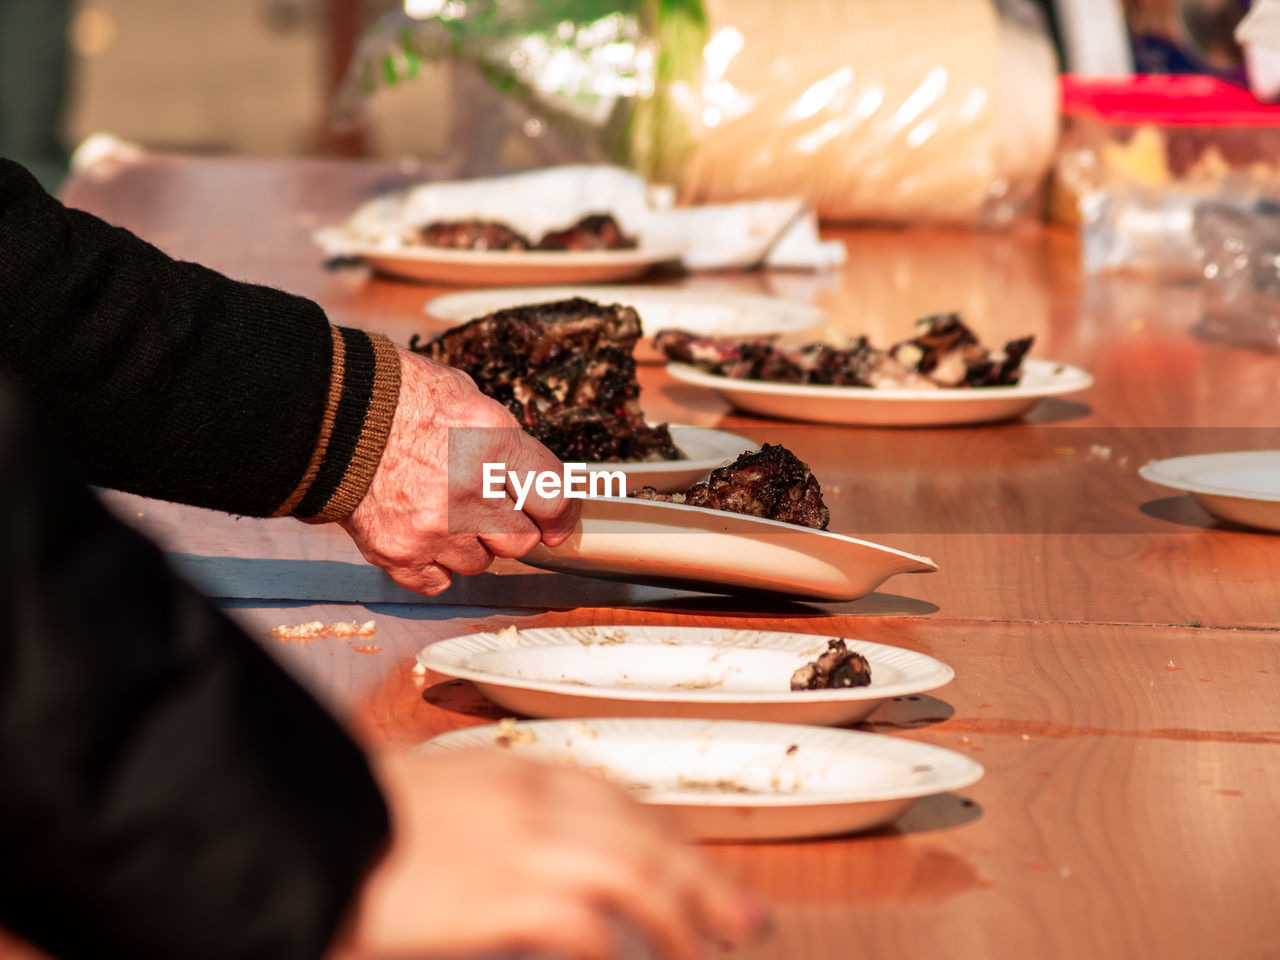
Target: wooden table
x=1116 y=651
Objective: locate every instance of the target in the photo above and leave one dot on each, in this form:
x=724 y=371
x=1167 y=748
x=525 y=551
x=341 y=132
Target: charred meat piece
x=763 y=360
x=730 y=358
x=859 y=365
x=836 y=667
x=472 y=235
x=772 y=483
x=566 y=372
x=883 y=372
x=946 y=351
x=596 y=231
x=1001 y=371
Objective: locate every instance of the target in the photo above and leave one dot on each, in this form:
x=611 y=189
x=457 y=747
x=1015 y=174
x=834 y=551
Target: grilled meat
x=836 y=667
x=596 y=231
x=771 y=482
x=566 y=372
x=947 y=352
x=944 y=353
x=761 y=360
x=472 y=235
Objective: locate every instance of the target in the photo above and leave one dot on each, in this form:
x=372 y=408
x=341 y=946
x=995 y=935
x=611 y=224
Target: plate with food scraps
x=714 y=551
x=888 y=406
x=710 y=313
x=738 y=780
x=704 y=450
x=1241 y=487
x=447 y=265
x=710 y=672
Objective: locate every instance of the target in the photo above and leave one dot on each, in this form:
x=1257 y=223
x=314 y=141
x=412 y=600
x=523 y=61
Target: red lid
x=1190 y=100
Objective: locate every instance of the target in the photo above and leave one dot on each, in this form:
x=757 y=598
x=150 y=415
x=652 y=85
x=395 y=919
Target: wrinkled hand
x=490 y=852
x=420 y=527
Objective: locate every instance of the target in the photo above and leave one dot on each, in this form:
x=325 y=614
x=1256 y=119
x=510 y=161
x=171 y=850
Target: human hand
x=490 y=852
x=421 y=527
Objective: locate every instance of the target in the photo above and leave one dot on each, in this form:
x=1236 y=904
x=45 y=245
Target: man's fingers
x=464 y=555
x=555 y=514
x=715 y=906
x=559 y=528
x=722 y=910
x=628 y=886
x=512 y=544
x=429 y=579
x=507 y=532
x=556 y=517
x=561 y=926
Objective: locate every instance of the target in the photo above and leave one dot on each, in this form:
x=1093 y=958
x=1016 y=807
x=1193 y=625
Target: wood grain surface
x=1116 y=650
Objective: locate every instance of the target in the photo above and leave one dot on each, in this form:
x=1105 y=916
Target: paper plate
x=445 y=265
x=1242 y=487
x=704 y=448
x=868 y=406
x=732 y=780
x=694 y=548
x=711 y=672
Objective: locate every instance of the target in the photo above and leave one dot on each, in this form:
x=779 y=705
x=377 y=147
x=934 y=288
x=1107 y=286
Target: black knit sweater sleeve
x=168 y=379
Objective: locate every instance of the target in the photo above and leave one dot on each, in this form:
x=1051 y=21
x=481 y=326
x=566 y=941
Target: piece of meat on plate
x=946 y=351
x=596 y=231
x=836 y=667
x=566 y=371
x=771 y=482
x=472 y=235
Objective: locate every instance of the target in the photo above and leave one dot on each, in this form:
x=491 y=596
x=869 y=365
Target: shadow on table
x=1056 y=410
x=271 y=579
x=872 y=605
x=908 y=713
x=335 y=581
x=804 y=874
x=463 y=696
x=1185 y=512
x=942 y=811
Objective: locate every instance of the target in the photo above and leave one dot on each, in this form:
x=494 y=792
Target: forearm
x=165 y=378
x=162 y=782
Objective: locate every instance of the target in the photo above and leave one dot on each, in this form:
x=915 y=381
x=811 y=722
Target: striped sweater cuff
x=364 y=386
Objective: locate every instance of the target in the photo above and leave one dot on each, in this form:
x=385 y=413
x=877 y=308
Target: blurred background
x=1148 y=127
x=255 y=76
x=237 y=76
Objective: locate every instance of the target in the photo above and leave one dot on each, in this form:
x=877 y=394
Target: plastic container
x=1141 y=157
x=1183 y=133
x=897 y=111
x=1259 y=35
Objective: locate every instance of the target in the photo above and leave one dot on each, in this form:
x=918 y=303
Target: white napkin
x=101 y=155
x=781 y=233
x=1259 y=34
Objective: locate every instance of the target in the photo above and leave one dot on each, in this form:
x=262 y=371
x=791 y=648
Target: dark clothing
x=166 y=791
x=167 y=379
